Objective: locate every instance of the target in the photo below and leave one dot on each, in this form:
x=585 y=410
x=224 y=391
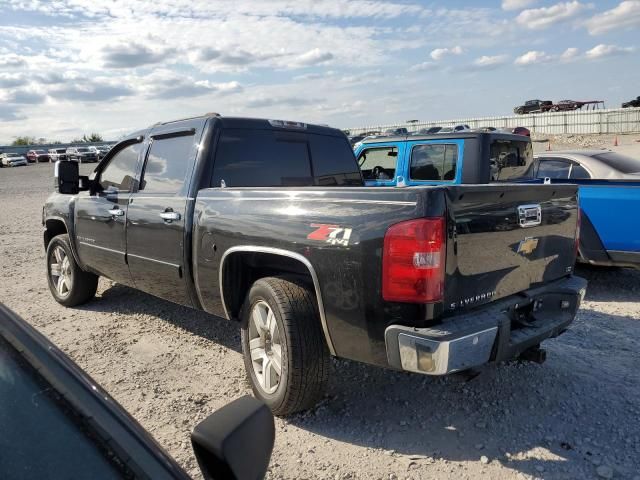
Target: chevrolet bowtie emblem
x=528 y=245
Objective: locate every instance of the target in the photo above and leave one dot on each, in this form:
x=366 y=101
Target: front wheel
x=68 y=283
x=285 y=355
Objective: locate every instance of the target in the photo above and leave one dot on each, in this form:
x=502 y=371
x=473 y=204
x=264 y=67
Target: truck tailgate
x=507 y=238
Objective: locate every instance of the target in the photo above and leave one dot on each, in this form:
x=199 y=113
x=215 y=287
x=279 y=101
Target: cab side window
x=378 y=163
x=119 y=174
x=433 y=162
x=166 y=165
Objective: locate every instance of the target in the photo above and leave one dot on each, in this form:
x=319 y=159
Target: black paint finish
x=271 y=230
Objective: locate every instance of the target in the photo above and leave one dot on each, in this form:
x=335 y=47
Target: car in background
x=12 y=160
x=37 y=156
x=428 y=131
x=533 y=106
x=587 y=164
x=57 y=422
x=103 y=150
x=81 y=154
x=609 y=199
x=454 y=129
x=56 y=154
x=522 y=131
x=396 y=131
x=632 y=103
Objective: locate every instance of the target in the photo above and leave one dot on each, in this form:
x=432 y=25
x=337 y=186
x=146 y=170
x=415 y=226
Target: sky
x=70 y=67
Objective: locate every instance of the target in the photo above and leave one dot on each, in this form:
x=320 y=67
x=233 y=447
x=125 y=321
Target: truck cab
x=455 y=158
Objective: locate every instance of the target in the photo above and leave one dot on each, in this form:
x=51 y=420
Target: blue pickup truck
x=609 y=182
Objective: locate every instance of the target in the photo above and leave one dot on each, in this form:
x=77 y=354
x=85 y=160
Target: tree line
x=27 y=140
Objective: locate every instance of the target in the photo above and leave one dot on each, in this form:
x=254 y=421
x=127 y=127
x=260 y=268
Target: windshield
x=13 y=155
x=41 y=433
x=510 y=160
x=83 y=149
x=622 y=163
x=40 y=152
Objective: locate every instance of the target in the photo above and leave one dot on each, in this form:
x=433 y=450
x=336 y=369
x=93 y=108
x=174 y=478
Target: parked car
x=274 y=236
x=56 y=154
x=428 y=131
x=632 y=103
x=522 y=131
x=533 y=106
x=81 y=154
x=609 y=196
x=37 y=156
x=396 y=131
x=452 y=158
x=59 y=423
x=12 y=160
x=103 y=150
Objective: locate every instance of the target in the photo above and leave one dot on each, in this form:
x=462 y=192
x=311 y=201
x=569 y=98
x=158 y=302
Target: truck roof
x=264 y=124
x=446 y=136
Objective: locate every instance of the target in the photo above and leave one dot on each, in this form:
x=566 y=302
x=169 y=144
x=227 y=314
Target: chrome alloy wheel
x=60 y=271
x=265 y=346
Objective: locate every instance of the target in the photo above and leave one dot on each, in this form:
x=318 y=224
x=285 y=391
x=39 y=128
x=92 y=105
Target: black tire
x=304 y=353
x=81 y=286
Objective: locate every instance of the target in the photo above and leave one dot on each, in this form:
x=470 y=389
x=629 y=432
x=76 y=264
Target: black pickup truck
x=269 y=223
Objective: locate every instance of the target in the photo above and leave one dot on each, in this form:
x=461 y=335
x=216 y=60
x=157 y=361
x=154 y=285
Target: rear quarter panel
x=349 y=272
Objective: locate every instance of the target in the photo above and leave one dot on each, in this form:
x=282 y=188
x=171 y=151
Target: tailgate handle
x=529 y=215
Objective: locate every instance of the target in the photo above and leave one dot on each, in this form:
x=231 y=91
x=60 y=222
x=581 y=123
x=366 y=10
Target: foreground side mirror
x=67 y=177
x=236 y=441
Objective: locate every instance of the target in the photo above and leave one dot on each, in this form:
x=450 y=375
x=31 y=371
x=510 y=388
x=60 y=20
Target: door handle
x=116 y=212
x=170 y=216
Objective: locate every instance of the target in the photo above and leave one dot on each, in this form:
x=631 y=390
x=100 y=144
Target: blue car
x=609 y=200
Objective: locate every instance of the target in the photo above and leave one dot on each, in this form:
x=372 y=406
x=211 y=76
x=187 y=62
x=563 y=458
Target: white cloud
x=569 y=54
x=625 y=16
x=490 y=61
x=424 y=67
x=533 y=57
x=544 y=17
x=440 y=53
x=602 y=50
x=516 y=4
x=315 y=56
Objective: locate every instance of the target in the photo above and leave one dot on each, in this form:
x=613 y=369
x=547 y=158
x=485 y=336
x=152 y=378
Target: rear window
x=622 y=163
x=510 y=160
x=271 y=158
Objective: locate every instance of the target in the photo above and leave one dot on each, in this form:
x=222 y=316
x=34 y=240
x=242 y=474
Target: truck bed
x=340 y=233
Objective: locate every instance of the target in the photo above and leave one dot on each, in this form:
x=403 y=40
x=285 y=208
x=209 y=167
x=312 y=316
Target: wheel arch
x=52 y=228
x=241 y=266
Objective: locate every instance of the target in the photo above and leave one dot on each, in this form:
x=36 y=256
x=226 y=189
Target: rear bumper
x=497 y=332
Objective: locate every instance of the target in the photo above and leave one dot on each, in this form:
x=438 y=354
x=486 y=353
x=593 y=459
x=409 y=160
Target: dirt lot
x=576 y=416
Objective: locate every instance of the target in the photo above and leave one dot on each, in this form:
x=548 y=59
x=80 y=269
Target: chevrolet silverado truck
x=451 y=158
x=268 y=223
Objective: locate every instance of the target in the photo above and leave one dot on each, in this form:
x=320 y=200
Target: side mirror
x=236 y=441
x=67 y=177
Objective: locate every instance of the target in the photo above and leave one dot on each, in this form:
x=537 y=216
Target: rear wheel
x=68 y=283
x=285 y=356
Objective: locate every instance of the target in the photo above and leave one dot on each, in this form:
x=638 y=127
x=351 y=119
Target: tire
x=77 y=286
x=297 y=336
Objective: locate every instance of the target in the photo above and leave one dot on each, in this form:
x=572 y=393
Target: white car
x=12 y=160
x=455 y=129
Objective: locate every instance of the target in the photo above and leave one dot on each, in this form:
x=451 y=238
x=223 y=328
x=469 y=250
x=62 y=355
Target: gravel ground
x=576 y=416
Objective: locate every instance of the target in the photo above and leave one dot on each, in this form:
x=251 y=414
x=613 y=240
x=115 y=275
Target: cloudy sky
x=69 y=67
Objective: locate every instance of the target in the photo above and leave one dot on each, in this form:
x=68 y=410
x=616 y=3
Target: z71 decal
x=332 y=234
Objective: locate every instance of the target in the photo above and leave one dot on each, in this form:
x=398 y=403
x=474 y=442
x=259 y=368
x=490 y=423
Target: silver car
x=586 y=164
x=12 y=160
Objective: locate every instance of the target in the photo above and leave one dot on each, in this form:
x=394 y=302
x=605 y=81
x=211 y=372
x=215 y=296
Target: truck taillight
x=413 y=261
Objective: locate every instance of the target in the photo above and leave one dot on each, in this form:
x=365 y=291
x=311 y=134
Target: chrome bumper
x=488 y=334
